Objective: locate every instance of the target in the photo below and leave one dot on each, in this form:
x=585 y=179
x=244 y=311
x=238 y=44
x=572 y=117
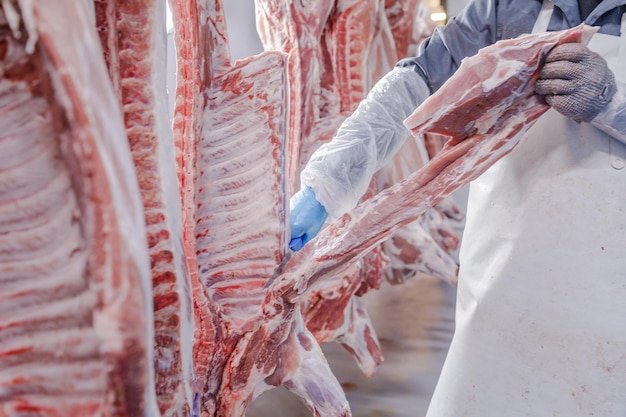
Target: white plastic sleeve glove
x=612 y=119
x=340 y=171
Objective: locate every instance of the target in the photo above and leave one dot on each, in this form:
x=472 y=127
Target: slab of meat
x=357 y=47
x=499 y=84
x=493 y=83
x=132 y=35
x=75 y=316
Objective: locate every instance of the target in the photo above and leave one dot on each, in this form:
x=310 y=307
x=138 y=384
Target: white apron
x=541 y=303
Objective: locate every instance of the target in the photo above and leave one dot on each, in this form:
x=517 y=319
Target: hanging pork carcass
x=132 y=35
x=231 y=126
x=76 y=326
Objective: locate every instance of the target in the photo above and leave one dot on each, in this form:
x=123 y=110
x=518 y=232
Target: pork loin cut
x=497 y=85
x=75 y=316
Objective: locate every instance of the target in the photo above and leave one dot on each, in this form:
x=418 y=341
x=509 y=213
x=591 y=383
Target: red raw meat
x=404 y=20
x=490 y=85
x=345 y=36
x=370 y=37
x=357 y=40
x=75 y=317
x=350 y=34
x=334 y=312
x=422 y=246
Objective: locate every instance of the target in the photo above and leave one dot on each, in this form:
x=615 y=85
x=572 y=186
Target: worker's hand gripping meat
x=576 y=81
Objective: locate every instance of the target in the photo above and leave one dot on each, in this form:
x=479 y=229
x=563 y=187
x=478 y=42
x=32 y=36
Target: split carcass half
x=333 y=312
x=498 y=85
x=133 y=38
x=76 y=320
x=231 y=124
x=357 y=34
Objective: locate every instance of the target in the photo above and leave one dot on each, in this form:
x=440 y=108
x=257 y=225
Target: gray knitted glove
x=576 y=81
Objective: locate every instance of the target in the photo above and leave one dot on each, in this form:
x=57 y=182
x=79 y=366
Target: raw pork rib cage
x=137 y=255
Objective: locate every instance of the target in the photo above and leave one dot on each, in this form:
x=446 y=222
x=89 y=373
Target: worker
x=541 y=299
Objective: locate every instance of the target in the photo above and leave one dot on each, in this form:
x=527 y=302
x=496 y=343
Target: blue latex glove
x=306 y=219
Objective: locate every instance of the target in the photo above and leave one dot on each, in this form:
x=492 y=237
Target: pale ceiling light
x=438 y=16
x=168 y=18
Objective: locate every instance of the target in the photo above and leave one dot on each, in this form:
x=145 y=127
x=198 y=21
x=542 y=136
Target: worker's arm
x=339 y=172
